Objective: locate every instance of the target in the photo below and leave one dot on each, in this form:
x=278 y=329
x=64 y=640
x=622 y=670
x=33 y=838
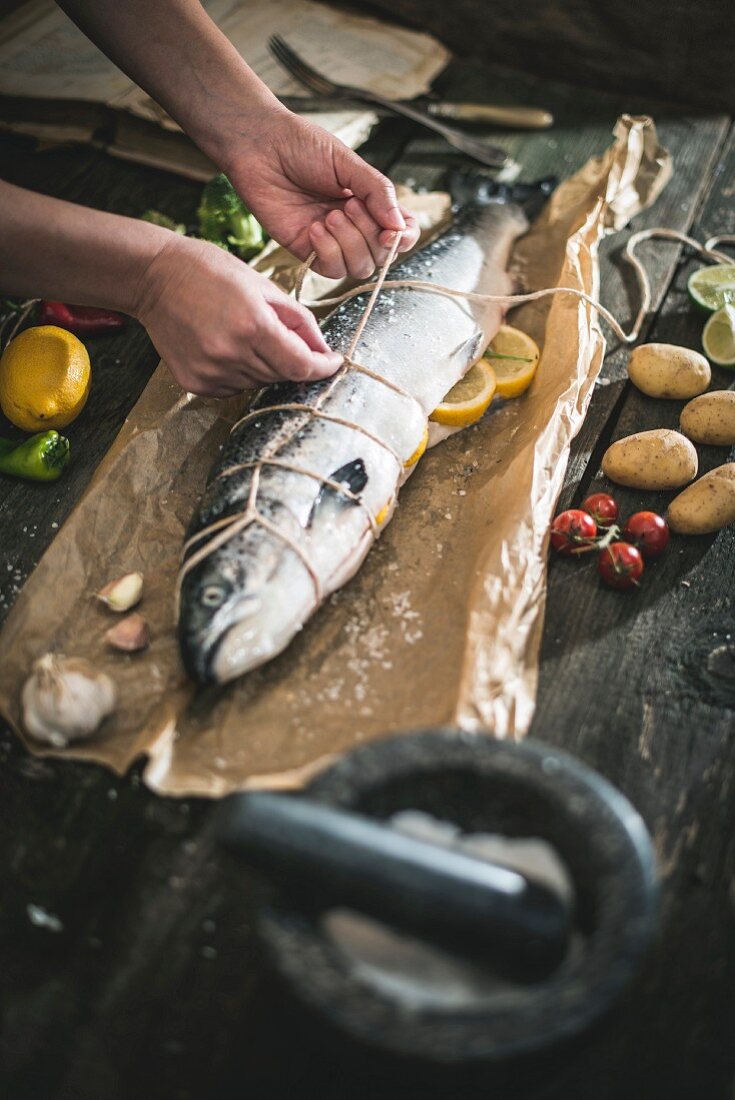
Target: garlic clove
x=130 y=634
x=65 y=699
x=123 y=593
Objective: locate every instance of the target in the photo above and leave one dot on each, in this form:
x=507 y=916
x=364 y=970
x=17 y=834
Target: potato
x=665 y=370
x=707 y=505
x=710 y=418
x=659 y=459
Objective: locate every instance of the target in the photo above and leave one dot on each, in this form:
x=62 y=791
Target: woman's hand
x=312 y=193
x=222 y=328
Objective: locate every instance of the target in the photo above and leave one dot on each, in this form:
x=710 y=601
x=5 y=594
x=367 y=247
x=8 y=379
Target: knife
x=514 y=117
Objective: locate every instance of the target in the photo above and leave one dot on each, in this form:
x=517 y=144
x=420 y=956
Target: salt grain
x=39 y=916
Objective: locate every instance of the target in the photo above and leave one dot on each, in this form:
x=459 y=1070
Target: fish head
x=215 y=596
x=239 y=609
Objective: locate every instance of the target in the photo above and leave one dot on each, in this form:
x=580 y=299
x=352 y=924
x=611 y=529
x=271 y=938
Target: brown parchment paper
x=443 y=621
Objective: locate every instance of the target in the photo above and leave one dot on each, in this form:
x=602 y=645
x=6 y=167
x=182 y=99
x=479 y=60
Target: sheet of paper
x=43 y=54
x=183 y=157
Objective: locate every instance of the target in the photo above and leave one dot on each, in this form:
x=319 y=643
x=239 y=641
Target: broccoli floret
x=225 y=220
x=155 y=217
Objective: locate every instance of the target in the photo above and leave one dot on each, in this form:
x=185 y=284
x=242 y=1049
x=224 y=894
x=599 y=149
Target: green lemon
x=718 y=338
x=713 y=287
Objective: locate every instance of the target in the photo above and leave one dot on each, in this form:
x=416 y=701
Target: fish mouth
x=221 y=660
x=201 y=647
x=198 y=659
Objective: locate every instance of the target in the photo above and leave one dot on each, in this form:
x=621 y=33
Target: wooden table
x=150 y=984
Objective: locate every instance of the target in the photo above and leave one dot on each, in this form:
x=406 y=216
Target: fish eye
x=212 y=595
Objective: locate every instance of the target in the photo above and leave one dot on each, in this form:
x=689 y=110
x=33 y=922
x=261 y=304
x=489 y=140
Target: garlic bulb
x=65 y=699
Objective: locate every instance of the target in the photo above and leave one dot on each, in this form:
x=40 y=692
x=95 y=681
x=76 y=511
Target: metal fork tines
x=490 y=155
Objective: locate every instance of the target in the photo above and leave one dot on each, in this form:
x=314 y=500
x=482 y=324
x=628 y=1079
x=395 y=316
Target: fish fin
x=353 y=476
x=473 y=347
x=475 y=185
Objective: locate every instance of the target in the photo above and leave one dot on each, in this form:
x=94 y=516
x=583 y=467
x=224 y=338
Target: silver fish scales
x=311 y=474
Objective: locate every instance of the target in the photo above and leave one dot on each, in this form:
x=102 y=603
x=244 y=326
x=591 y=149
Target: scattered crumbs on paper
x=367 y=645
x=332 y=691
x=400 y=606
x=41 y=918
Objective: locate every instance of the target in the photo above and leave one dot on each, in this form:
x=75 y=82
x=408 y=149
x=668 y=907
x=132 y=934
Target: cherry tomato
x=649 y=532
x=572 y=530
x=603 y=509
x=620 y=565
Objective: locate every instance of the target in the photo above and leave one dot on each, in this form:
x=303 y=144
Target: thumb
x=301 y=321
x=289 y=357
x=375 y=190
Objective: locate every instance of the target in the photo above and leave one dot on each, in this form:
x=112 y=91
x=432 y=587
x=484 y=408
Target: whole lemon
x=44 y=378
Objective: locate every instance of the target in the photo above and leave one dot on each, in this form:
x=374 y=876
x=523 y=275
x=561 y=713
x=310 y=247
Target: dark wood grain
x=660 y=725
x=681 y=52
x=152 y=987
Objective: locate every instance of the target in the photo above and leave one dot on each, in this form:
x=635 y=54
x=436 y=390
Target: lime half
x=713 y=287
x=718 y=338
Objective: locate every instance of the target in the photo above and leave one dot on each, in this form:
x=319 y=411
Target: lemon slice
x=468 y=400
x=713 y=287
x=514 y=357
x=419 y=450
x=384 y=512
x=718 y=338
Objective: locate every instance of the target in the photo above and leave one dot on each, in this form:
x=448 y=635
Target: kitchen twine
x=226 y=528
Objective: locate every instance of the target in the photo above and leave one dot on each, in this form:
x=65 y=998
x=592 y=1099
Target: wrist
x=250 y=136
x=151 y=276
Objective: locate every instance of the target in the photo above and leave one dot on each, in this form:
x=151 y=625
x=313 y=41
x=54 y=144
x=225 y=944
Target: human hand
x=221 y=328
x=312 y=193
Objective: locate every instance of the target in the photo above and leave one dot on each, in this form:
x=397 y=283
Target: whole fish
x=327 y=483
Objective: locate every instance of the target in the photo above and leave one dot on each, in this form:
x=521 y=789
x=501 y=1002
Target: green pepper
x=40 y=458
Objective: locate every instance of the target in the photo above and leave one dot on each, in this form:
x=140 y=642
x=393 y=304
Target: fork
x=490 y=155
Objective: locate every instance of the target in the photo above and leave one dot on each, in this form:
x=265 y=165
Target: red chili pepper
x=81 y=320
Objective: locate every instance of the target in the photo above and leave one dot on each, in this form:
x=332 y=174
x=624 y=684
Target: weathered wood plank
x=675 y=209
x=677 y=52
x=642 y=685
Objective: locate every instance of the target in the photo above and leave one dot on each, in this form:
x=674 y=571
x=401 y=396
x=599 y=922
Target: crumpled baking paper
x=441 y=625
